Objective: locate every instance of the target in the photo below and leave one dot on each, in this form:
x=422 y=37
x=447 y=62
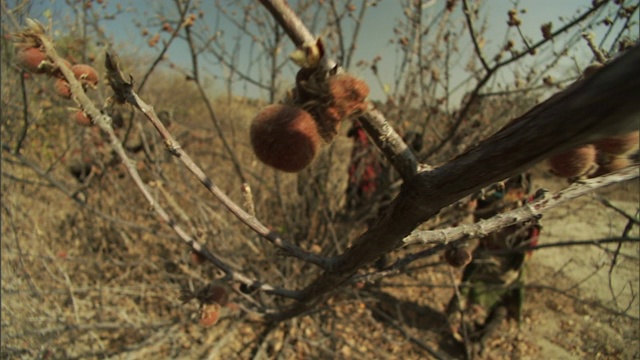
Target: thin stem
x=467 y=16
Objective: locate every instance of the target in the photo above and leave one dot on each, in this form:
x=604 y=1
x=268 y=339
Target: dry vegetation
x=89 y=269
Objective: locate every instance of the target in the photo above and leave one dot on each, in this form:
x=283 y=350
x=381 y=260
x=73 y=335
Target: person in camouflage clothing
x=492 y=283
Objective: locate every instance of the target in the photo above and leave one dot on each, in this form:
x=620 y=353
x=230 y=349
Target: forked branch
x=600 y=106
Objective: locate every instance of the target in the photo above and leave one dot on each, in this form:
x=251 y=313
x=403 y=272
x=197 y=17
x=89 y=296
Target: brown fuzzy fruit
x=86 y=74
x=62 y=88
x=285 y=137
x=457 y=256
x=330 y=119
x=614 y=163
x=82 y=118
x=209 y=314
x=30 y=59
x=348 y=93
x=619 y=145
x=575 y=162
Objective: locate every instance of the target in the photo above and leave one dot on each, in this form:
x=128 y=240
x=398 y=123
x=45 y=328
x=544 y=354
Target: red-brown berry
x=576 y=162
x=216 y=294
x=209 y=314
x=62 y=88
x=30 y=59
x=213 y=294
x=348 y=93
x=619 y=145
x=82 y=118
x=86 y=74
x=611 y=164
x=285 y=137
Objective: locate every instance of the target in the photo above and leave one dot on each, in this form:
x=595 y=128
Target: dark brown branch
x=492 y=70
x=527 y=212
x=600 y=106
x=25 y=113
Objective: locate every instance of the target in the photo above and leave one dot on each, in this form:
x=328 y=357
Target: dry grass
x=102 y=277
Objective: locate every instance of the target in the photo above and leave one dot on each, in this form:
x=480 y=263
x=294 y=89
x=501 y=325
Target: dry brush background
x=90 y=270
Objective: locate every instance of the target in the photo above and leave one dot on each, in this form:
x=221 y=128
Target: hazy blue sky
x=376 y=31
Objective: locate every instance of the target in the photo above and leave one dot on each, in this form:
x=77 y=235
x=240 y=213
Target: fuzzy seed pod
x=285 y=137
x=86 y=74
x=348 y=93
x=457 y=256
x=619 y=145
x=30 y=59
x=62 y=88
x=579 y=161
x=613 y=163
x=329 y=122
x=82 y=118
x=209 y=314
x=616 y=163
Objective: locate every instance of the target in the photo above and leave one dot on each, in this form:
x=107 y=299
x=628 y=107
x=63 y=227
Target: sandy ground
x=577 y=305
x=573 y=330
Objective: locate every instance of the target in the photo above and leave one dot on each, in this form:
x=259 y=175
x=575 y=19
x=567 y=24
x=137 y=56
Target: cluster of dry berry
x=288 y=136
x=591 y=160
x=31 y=57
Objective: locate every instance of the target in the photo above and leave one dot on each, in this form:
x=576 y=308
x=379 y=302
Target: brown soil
x=88 y=298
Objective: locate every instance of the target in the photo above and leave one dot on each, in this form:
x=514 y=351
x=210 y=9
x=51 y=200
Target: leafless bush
x=281 y=245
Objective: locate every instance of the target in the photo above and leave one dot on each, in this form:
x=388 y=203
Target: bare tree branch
x=530 y=211
x=103 y=121
x=174 y=148
x=600 y=106
x=385 y=137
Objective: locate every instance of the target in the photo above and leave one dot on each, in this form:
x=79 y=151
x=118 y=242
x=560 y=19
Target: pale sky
x=376 y=31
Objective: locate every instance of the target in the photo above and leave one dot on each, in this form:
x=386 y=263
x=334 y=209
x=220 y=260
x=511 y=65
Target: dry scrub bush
x=116 y=271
